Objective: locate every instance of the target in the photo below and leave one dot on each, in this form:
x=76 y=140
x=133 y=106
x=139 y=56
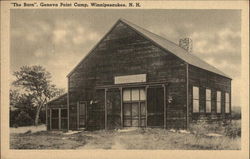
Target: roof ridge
x=183 y=51
x=125 y=21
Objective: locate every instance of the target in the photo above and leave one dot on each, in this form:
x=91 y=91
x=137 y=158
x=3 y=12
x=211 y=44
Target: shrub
x=233 y=129
x=23 y=119
x=203 y=127
x=13 y=115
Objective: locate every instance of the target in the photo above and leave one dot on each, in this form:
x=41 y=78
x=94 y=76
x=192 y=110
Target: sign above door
x=138 y=78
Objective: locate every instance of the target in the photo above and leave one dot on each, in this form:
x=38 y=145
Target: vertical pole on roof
x=106 y=113
x=164 y=97
x=187 y=93
x=121 y=94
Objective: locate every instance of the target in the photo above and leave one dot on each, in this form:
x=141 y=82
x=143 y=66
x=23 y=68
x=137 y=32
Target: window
x=208 y=100
x=126 y=95
x=227 y=109
x=196 y=99
x=134 y=108
x=218 y=102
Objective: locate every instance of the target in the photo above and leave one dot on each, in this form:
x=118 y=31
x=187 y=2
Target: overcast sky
x=59 y=39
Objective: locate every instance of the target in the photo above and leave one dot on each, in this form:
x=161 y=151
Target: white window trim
x=208 y=100
x=218 y=101
x=227 y=102
x=196 y=99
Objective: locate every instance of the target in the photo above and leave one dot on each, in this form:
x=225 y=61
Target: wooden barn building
x=135 y=78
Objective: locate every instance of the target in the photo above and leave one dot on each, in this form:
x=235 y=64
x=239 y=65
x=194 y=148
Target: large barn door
x=113 y=101
x=155 y=106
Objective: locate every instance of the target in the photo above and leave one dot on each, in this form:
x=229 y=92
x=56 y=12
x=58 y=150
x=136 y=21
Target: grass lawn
x=116 y=139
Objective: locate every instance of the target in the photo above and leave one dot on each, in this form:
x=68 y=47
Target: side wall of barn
x=203 y=80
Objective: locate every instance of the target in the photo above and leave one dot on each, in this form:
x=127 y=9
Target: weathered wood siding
x=125 y=52
x=60 y=102
x=205 y=79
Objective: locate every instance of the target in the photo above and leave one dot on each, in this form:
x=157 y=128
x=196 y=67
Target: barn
x=135 y=78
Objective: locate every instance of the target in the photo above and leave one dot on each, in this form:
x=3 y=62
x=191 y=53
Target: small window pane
x=135 y=109
x=227 y=103
x=218 y=98
x=135 y=94
x=142 y=94
x=126 y=95
x=218 y=107
x=208 y=106
x=227 y=97
x=208 y=94
x=195 y=93
x=195 y=106
x=227 y=108
x=127 y=109
x=143 y=109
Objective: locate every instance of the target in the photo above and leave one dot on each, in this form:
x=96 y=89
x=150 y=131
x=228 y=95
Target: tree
x=37 y=87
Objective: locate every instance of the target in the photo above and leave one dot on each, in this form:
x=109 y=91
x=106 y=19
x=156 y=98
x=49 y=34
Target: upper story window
x=208 y=100
x=196 y=103
x=227 y=108
x=218 y=102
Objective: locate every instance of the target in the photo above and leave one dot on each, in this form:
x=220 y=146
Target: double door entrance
x=134 y=107
x=140 y=106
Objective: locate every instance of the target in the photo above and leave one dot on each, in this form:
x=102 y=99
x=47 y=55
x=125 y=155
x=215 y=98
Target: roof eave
x=56 y=98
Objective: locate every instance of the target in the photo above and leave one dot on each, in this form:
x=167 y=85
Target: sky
x=58 y=39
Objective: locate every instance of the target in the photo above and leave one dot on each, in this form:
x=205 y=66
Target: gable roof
x=58 y=97
x=166 y=45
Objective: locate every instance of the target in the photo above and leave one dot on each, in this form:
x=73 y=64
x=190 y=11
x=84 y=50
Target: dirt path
x=98 y=142
x=117 y=145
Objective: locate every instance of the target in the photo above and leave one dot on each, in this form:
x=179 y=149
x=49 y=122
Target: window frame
x=229 y=111
x=196 y=99
x=220 y=101
x=208 y=100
